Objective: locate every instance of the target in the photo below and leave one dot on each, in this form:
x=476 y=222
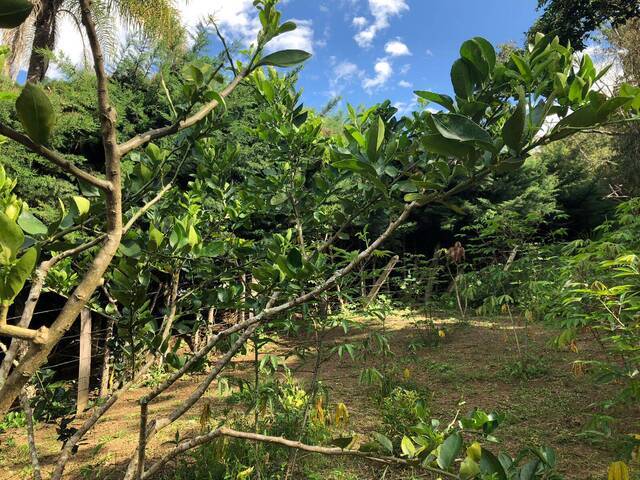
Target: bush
x=402 y=409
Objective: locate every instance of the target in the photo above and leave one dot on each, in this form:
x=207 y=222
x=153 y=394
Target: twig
x=227 y=432
x=31 y=439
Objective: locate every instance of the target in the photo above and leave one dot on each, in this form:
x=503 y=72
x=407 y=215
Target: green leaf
x=471 y=51
x=278 y=199
x=384 y=442
x=488 y=52
x=35 y=112
x=443 y=146
x=14 y=12
x=445 y=100
x=460 y=128
x=11 y=239
x=155 y=238
x=528 y=471
x=490 y=465
x=19 y=274
x=522 y=66
x=375 y=137
x=81 y=206
x=295 y=258
x=30 y=224
x=513 y=129
x=286 y=27
x=407 y=447
x=461 y=79
x=342 y=442
x=469 y=468
x=449 y=450
x=285 y=58
x=575 y=91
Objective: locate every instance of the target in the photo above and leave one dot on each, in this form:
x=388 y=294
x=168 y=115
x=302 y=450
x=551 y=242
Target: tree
x=36 y=38
x=276 y=219
x=574 y=20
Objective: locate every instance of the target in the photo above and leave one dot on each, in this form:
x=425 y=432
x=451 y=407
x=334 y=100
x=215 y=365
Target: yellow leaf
x=618 y=471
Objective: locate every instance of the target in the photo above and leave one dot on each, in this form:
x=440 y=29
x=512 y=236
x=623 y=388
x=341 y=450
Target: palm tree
x=158 y=19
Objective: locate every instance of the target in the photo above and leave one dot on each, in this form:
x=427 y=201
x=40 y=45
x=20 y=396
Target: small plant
x=12 y=420
x=401 y=410
x=527 y=367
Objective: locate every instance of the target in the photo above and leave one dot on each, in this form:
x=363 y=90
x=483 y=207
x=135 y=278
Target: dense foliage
x=199 y=202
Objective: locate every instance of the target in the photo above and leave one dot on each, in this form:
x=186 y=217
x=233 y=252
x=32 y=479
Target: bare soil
x=472 y=366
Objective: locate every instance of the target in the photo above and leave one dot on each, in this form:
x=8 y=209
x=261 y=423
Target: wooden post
x=84 y=370
x=381 y=279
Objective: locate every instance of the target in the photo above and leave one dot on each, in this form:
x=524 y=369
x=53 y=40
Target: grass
x=475 y=365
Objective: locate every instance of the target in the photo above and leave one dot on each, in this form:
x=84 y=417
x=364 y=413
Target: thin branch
x=54 y=157
x=25 y=403
x=151 y=135
x=226 y=49
x=256 y=437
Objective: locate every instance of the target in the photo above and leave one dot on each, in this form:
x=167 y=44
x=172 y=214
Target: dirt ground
x=469 y=367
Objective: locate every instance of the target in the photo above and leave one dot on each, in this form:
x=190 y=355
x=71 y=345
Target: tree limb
x=54 y=157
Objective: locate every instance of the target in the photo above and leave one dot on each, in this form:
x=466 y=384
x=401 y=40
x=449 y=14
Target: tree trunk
x=44 y=38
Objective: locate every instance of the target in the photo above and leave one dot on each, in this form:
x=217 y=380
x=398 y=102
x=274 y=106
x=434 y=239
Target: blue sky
x=364 y=50
x=395 y=46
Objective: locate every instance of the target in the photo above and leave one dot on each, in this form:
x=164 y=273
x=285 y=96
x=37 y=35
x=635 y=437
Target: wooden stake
x=381 y=279
x=84 y=371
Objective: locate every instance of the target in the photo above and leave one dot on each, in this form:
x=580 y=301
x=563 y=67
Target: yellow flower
x=406 y=374
x=618 y=471
x=442 y=333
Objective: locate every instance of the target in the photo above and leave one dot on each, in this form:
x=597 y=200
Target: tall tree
x=36 y=37
x=574 y=20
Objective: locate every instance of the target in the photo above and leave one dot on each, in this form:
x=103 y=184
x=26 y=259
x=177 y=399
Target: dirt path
x=472 y=366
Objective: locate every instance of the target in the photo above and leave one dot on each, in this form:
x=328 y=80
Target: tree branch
x=256 y=437
x=54 y=157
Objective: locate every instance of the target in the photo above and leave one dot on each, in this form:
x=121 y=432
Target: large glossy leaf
x=31 y=225
x=14 y=12
x=488 y=52
x=35 y=112
x=461 y=79
x=375 y=137
x=445 y=100
x=11 y=285
x=449 y=450
x=11 y=239
x=444 y=146
x=490 y=465
x=285 y=58
x=460 y=128
x=384 y=441
x=80 y=206
x=471 y=51
x=513 y=129
x=407 y=447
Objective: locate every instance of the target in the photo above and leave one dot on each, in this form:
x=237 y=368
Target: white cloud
x=405 y=84
x=382 y=11
x=343 y=74
x=383 y=70
x=396 y=48
x=405 y=69
x=237 y=20
x=345 y=70
x=301 y=38
x=404 y=108
x=429 y=52
x=359 y=22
